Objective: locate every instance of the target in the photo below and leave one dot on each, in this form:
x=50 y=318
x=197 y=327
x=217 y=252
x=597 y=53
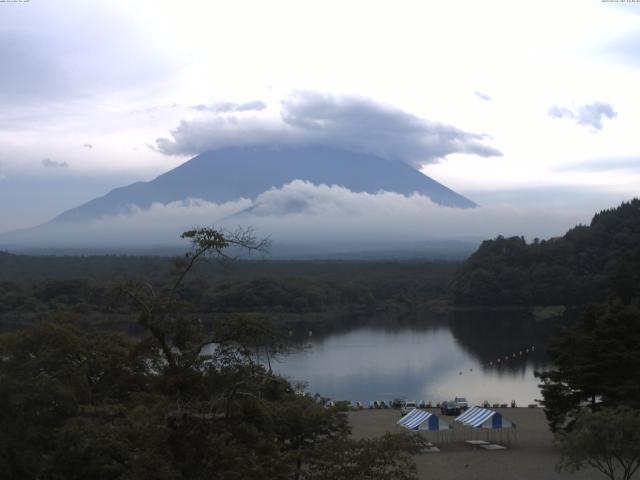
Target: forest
x=581 y=267
x=293 y=292
x=180 y=400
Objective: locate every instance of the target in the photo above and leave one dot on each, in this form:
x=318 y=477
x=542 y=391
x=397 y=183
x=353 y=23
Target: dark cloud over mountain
x=346 y=122
x=590 y=115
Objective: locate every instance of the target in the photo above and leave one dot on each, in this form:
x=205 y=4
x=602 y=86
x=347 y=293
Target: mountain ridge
x=232 y=173
x=224 y=177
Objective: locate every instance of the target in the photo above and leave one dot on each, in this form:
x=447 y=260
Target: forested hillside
x=580 y=267
x=35 y=288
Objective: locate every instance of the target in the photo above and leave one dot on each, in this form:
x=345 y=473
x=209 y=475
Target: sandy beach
x=532 y=457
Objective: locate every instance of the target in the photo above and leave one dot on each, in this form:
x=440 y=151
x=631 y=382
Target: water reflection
x=433 y=360
x=491 y=336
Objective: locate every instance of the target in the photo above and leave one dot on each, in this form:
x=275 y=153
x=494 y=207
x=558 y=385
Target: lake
x=433 y=360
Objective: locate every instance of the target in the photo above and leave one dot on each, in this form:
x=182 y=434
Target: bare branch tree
x=159 y=310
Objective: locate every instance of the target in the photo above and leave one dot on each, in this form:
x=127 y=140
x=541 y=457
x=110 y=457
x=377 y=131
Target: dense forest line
x=583 y=266
x=34 y=288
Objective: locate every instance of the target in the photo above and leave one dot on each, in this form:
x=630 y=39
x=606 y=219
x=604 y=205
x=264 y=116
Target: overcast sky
x=526 y=104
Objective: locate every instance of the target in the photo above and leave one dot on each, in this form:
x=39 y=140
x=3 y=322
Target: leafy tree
x=607 y=440
x=386 y=458
x=49 y=375
x=181 y=337
x=180 y=401
x=596 y=363
x=304 y=424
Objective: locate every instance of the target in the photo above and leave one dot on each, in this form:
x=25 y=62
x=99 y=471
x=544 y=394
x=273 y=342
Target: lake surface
x=431 y=361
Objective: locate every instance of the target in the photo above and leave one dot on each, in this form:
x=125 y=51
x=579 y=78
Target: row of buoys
x=501 y=360
x=506 y=358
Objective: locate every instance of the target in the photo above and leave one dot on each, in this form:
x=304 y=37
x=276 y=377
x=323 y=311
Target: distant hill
x=581 y=267
x=229 y=174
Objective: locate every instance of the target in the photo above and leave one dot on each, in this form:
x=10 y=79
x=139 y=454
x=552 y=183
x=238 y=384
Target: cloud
x=196 y=136
x=87 y=145
x=48 y=163
x=560 y=112
x=328 y=216
x=160 y=224
x=225 y=107
x=482 y=96
x=590 y=115
x=593 y=113
x=23 y=63
x=165 y=221
x=603 y=164
x=302 y=210
x=48 y=55
x=347 y=122
x=625 y=47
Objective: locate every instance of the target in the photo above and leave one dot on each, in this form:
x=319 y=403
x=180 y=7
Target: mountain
x=220 y=176
x=229 y=174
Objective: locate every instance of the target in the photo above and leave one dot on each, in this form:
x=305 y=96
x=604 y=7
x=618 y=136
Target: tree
x=389 y=457
x=181 y=338
x=178 y=402
x=607 y=440
x=303 y=424
x=55 y=373
x=575 y=269
x=596 y=362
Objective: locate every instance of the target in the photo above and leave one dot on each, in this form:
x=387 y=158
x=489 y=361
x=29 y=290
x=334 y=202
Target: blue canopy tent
x=489 y=421
x=424 y=421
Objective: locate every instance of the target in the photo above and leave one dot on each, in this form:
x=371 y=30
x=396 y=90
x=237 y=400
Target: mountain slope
x=228 y=174
x=578 y=268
